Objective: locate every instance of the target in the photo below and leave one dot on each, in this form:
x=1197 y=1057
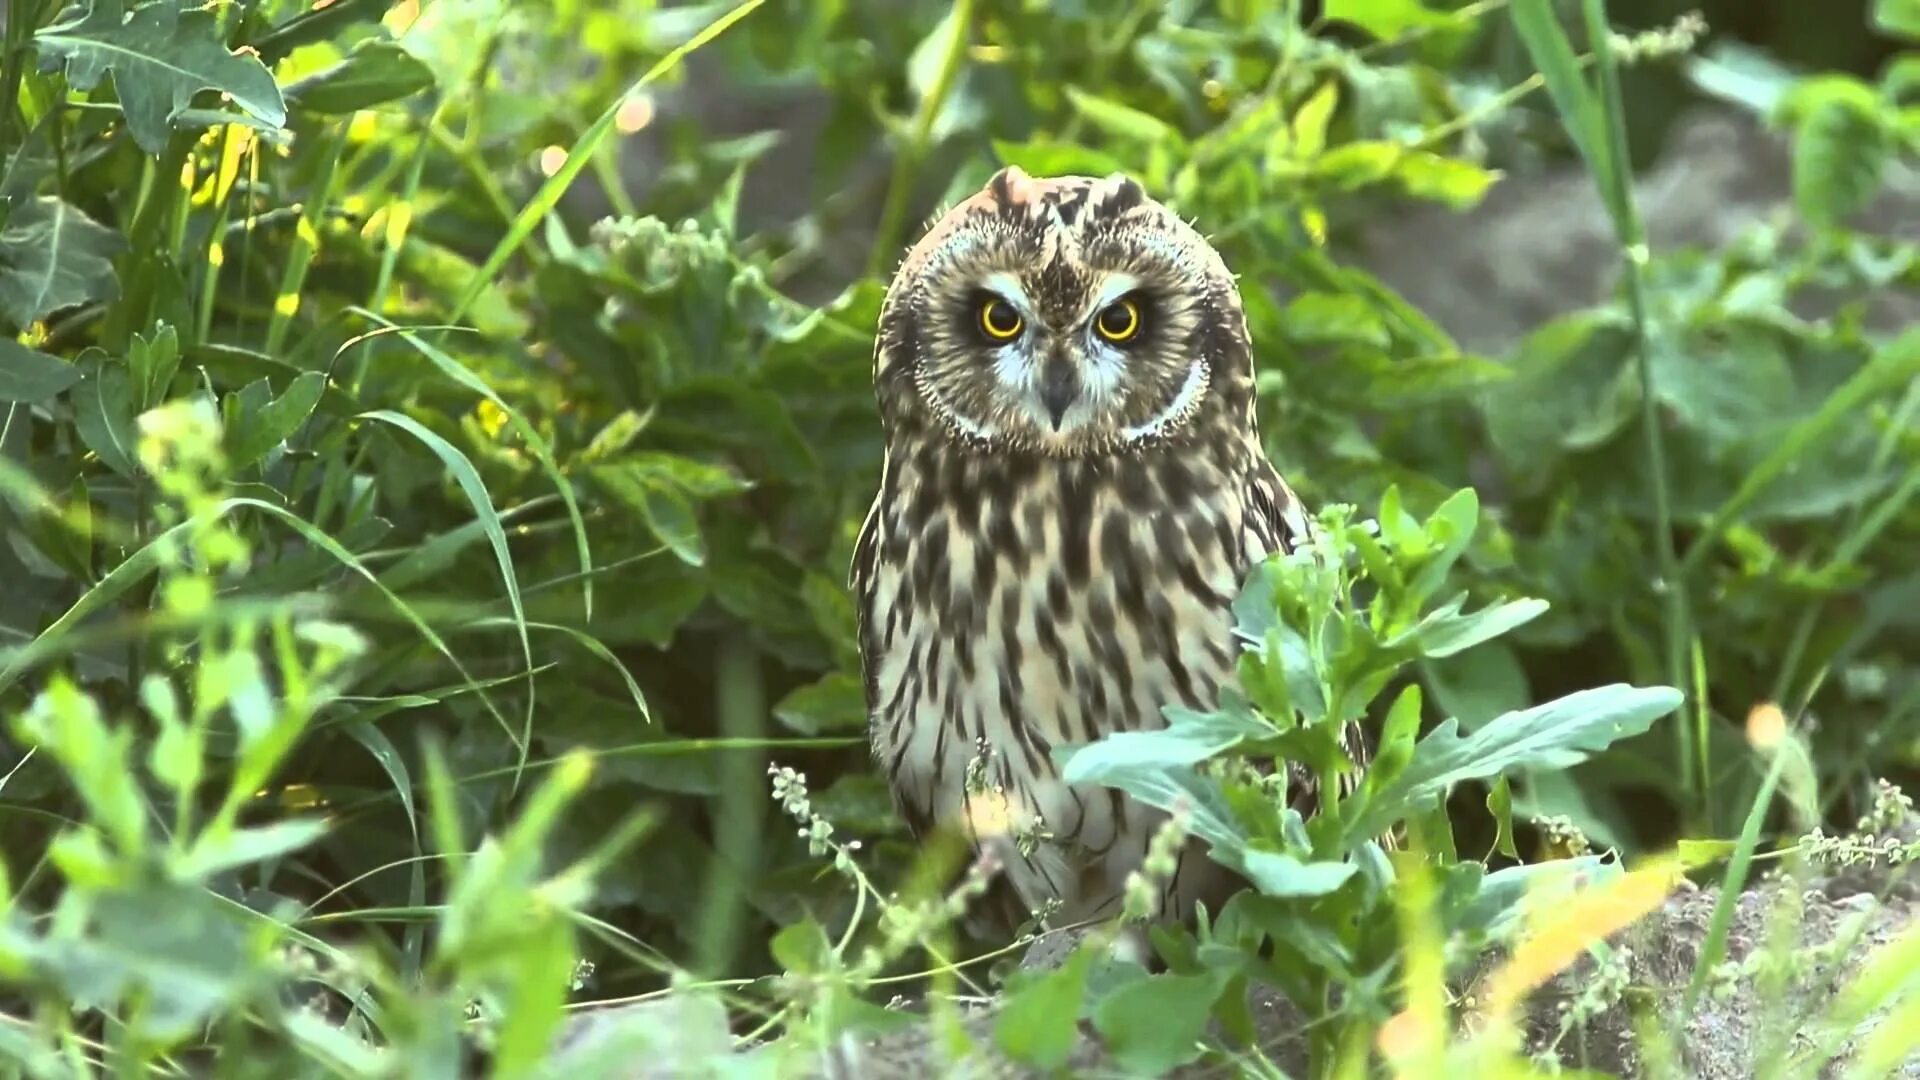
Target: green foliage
x=410 y=569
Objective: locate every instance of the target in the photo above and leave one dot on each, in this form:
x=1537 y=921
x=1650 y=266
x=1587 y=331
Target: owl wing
x=1276 y=519
x=861 y=578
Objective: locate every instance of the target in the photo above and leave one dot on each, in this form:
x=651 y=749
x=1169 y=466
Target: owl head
x=1066 y=316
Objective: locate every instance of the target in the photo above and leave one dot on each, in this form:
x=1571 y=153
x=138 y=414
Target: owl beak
x=1059 y=389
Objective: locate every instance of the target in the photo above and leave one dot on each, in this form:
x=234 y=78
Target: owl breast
x=1015 y=604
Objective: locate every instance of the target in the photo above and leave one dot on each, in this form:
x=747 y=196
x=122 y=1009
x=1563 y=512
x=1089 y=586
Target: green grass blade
x=475 y=490
x=542 y=451
x=593 y=645
x=321 y=540
x=1553 y=54
x=582 y=151
x=1715 y=945
x=377 y=744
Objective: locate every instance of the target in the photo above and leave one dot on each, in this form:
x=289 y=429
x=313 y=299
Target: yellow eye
x=999 y=321
x=1118 y=321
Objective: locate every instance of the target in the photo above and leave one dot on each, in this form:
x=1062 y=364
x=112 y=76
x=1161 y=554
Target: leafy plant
x=1327 y=629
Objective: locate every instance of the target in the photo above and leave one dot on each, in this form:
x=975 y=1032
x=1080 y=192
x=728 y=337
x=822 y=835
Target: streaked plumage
x=1063 y=521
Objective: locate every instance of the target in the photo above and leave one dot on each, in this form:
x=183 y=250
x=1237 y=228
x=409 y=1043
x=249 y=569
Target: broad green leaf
x=103 y=413
x=1556 y=735
x=53 y=256
x=661 y=504
x=1040 y=1017
x=30 y=377
x=160 y=56
x=1460 y=185
x=1041 y=158
x=837 y=702
x=1499 y=895
x=152 y=364
x=1189 y=738
x=1840 y=148
x=1163 y=786
x=372 y=74
x=215 y=851
x=1279 y=874
x=1123 y=121
x=1323 y=318
x=1385 y=19
x=174 y=948
x=1898 y=18
x=1155 y=1024
x=1447 y=631
x=258 y=432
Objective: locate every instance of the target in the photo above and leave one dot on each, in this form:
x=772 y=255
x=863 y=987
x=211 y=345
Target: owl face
x=1066 y=316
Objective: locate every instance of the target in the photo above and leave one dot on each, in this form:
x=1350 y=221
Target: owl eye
x=1118 y=321
x=999 y=320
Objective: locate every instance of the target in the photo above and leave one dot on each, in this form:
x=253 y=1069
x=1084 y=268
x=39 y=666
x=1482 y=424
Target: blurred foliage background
x=602 y=495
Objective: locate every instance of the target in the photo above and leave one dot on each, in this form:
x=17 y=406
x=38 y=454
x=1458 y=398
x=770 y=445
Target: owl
x=1073 y=492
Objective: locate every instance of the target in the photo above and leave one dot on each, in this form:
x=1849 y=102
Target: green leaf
x=1123 y=121
x=1840 y=149
x=217 y=850
x=476 y=492
x=662 y=505
x=1898 y=18
x=52 y=256
x=1459 y=185
x=1040 y=1016
x=1154 y=1025
x=802 y=948
x=1384 y=19
x=372 y=74
x=173 y=948
x=837 y=702
x=103 y=413
x=1579 y=106
x=1279 y=874
x=1556 y=735
x=1500 y=896
x=152 y=364
x=1189 y=738
x=542 y=451
x=1322 y=318
x=160 y=57
x=1446 y=631
x=258 y=431
x=1500 y=805
x=29 y=377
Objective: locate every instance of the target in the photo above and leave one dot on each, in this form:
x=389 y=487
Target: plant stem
x=1671 y=582
x=740 y=700
x=907 y=162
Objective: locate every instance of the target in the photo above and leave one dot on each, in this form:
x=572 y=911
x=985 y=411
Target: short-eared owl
x=1073 y=492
